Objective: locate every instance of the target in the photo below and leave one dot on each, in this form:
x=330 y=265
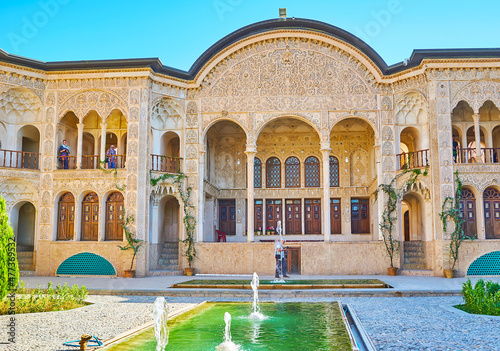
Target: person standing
x=456 y=146
x=280 y=255
x=63 y=154
x=111 y=156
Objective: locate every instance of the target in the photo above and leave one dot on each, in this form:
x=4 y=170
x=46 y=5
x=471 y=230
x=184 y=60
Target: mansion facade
x=288 y=120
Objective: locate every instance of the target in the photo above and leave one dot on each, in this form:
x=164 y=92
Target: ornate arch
x=412 y=109
x=223 y=117
x=23 y=101
x=15 y=190
x=477 y=93
x=312 y=120
x=102 y=101
x=371 y=123
x=165 y=109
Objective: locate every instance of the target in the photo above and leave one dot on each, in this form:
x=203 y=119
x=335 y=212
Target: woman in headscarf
x=63 y=154
x=111 y=156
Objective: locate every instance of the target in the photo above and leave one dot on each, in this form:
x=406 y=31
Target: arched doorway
x=413 y=231
x=28 y=142
x=90 y=217
x=67 y=130
x=169 y=220
x=491 y=204
x=114 y=216
x=23 y=221
x=66 y=217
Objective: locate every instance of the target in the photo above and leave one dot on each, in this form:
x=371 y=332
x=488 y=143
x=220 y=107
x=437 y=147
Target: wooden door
x=406 y=225
x=90 y=217
x=492 y=213
x=468 y=213
x=313 y=216
x=360 y=217
x=293 y=260
x=66 y=217
x=258 y=208
x=114 y=216
x=335 y=216
x=273 y=214
x=293 y=210
x=227 y=216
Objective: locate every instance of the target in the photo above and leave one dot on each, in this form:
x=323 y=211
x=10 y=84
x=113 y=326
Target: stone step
x=414 y=259
x=164 y=262
x=25 y=260
x=29 y=273
x=25 y=254
x=26 y=267
x=414 y=253
x=170 y=250
x=164 y=272
x=416 y=272
x=413 y=243
x=169 y=256
x=413 y=266
x=176 y=245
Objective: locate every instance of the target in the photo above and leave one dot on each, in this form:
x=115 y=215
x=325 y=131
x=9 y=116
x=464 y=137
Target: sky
x=178 y=32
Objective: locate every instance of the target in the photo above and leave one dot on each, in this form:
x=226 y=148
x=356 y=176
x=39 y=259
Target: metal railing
x=19 y=159
x=168 y=164
x=414 y=159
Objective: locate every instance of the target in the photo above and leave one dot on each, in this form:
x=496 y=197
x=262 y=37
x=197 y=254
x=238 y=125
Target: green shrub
x=44 y=300
x=483 y=298
x=9 y=268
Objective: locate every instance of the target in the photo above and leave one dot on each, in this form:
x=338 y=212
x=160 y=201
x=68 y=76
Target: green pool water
x=289 y=326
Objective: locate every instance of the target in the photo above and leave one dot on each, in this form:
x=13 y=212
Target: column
x=80 y=145
x=481 y=233
x=477 y=133
x=464 y=155
x=102 y=156
x=325 y=151
x=303 y=215
x=283 y=216
x=251 y=151
x=201 y=194
x=155 y=226
x=381 y=194
x=489 y=157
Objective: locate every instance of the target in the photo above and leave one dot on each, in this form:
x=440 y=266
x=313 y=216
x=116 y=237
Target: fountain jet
x=159 y=315
x=256 y=314
x=228 y=345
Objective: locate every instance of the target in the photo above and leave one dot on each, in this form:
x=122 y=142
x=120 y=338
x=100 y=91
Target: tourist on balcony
x=64 y=155
x=111 y=157
x=455 y=149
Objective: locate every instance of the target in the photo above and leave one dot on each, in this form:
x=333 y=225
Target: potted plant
x=270 y=230
x=259 y=231
x=190 y=250
x=451 y=211
x=132 y=244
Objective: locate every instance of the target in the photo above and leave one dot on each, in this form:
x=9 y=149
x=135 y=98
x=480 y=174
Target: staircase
x=414 y=255
x=26 y=263
x=168 y=263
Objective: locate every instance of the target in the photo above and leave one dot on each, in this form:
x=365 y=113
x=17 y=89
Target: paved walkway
x=407 y=285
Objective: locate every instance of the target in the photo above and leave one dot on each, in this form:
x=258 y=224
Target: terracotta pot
x=449 y=273
x=393 y=271
x=129 y=273
x=189 y=271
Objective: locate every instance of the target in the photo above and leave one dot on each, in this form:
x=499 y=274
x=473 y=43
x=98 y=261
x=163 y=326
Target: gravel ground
x=106 y=318
x=393 y=323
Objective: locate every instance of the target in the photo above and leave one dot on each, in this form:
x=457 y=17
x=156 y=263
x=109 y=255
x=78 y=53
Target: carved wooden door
x=273 y=214
x=114 y=216
x=492 y=213
x=313 y=216
x=227 y=216
x=66 y=217
x=360 y=217
x=335 y=216
x=258 y=223
x=406 y=225
x=90 y=217
x=293 y=216
x=468 y=213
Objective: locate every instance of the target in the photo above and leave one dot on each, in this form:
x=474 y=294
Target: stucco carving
x=387 y=133
x=477 y=93
x=16 y=190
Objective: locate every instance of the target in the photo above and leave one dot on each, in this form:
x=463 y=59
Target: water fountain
x=228 y=345
x=256 y=314
x=159 y=315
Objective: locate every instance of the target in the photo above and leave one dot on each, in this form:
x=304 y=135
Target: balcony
x=166 y=164
x=469 y=155
x=19 y=159
x=88 y=162
x=414 y=159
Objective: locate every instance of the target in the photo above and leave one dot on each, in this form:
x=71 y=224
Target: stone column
x=155 y=226
x=477 y=132
x=103 y=142
x=251 y=151
x=481 y=233
x=303 y=215
x=80 y=145
x=465 y=152
x=325 y=151
x=201 y=195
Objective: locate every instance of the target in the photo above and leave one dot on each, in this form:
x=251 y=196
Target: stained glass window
x=273 y=172
x=312 y=171
x=292 y=172
x=257 y=173
x=334 y=171
x=491 y=193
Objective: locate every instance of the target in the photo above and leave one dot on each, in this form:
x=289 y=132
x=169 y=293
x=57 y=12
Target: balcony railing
x=415 y=159
x=120 y=161
x=90 y=161
x=168 y=164
x=66 y=162
x=19 y=159
x=469 y=155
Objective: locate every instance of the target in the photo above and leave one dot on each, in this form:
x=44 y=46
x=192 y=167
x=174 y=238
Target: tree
x=9 y=268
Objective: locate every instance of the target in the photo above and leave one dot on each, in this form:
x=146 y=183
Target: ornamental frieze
x=102 y=101
x=477 y=93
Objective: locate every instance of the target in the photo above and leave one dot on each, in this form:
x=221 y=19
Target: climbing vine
x=115 y=175
x=450 y=211
x=189 y=220
x=132 y=242
x=389 y=216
